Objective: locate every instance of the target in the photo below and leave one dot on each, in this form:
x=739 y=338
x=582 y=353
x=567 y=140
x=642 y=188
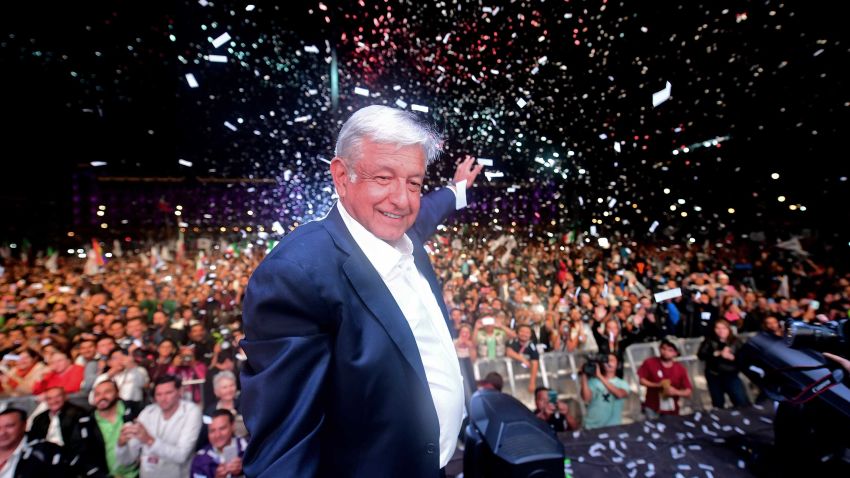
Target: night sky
x=559 y=94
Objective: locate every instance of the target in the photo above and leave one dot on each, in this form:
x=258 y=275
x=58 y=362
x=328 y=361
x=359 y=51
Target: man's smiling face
x=384 y=196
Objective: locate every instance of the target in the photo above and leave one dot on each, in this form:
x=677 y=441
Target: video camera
x=829 y=337
x=592 y=363
x=813 y=411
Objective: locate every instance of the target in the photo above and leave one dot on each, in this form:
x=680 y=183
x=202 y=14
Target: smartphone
x=814 y=305
x=553 y=397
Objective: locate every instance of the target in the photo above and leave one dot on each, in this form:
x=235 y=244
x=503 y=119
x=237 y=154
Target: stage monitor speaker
x=505 y=440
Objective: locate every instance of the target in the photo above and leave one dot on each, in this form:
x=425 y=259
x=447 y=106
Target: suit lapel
x=374 y=293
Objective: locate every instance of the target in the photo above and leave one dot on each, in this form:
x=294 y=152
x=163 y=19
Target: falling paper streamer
x=661 y=96
x=653 y=226
x=361 y=91
x=667 y=295
x=485 y=162
x=423 y=109
x=217 y=58
x=183 y=162
x=221 y=40
x=190 y=78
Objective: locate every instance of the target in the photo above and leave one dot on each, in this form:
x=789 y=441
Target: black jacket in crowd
x=69 y=414
x=87 y=448
x=717 y=365
x=41 y=458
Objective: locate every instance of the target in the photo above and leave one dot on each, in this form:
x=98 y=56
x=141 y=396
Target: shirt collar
x=383 y=256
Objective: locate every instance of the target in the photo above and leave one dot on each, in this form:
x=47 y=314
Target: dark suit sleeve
x=40 y=424
x=434 y=209
x=288 y=345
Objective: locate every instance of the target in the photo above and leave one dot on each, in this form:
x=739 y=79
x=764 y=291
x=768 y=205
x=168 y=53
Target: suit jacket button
x=430 y=448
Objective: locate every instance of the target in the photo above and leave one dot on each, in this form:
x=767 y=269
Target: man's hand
x=236 y=466
x=143 y=435
x=599 y=374
x=127 y=432
x=467 y=170
x=547 y=412
x=838 y=359
x=222 y=470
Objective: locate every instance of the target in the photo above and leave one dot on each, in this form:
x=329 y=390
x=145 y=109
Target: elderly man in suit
x=351 y=369
x=56 y=424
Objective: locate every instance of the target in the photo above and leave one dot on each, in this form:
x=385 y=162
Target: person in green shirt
x=96 y=434
x=605 y=395
x=490 y=339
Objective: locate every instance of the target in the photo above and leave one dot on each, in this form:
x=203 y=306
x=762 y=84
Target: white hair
x=386 y=125
x=222 y=376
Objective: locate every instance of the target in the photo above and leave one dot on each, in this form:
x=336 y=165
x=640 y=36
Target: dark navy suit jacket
x=334 y=384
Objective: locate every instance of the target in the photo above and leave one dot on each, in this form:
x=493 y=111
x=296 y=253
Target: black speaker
x=505 y=440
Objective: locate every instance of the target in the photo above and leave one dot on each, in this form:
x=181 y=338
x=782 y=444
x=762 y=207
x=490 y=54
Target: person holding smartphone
x=222 y=457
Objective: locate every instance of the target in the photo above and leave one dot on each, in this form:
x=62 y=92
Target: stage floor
x=717 y=443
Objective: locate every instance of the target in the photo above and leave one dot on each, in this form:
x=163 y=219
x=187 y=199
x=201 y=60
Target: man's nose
x=399 y=194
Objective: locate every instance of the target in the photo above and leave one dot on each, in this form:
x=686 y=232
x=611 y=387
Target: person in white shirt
x=127 y=375
x=163 y=436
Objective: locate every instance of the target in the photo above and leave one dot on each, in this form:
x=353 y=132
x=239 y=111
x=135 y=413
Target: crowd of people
x=133 y=370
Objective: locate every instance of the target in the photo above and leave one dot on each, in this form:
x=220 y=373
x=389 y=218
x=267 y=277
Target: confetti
x=190 y=78
x=662 y=95
x=668 y=295
x=221 y=40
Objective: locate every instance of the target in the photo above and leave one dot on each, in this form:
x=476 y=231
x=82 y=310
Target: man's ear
x=339 y=173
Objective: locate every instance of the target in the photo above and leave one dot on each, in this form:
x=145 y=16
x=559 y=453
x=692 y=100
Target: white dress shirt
x=412 y=293
x=54 y=430
x=171 y=453
x=131 y=384
x=8 y=470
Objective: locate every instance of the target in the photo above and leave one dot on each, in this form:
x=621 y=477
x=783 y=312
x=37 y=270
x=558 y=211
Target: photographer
x=556 y=413
x=576 y=334
x=604 y=393
x=523 y=350
x=188 y=369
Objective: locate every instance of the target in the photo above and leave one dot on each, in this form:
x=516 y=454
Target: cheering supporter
x=721 y=373
x=26 y=372
x=162 y=438
x=222 y=456
x=665 y=380
x=62 y=373
x=96 y=434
